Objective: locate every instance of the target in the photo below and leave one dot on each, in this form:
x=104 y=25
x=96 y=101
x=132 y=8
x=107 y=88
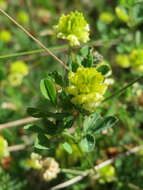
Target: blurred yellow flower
x=122 y=60
x=73 y=27
x=22 y=17
x=5 y=36
x=3 y=4
x=19 y=67
x=3 y=148
x=107 y=174
x=15 y=79
x=136 y=58
x=106 y=17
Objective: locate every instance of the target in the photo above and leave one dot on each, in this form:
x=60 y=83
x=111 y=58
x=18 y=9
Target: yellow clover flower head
x=22 y=17
x=19 y=67
x=122 y=60
x=136 y=58
x=106 y=17
x=5 y=36
x=3 y=148
x=87 y=86
x=74 y=28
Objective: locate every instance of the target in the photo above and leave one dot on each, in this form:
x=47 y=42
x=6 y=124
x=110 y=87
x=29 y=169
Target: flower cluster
x=133 y=60
x=17 y=71
x=48 y=167
x=73 y=27
x=87 y=87
x=5 y=36
x=123 y=60
x=22 y=17
x=3 y=148
x=106 y=17
x=3 y=4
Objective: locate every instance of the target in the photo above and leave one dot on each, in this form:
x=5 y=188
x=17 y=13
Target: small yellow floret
x=123 y=60
x=106 y=17
x=107 y=174
x=5 y=36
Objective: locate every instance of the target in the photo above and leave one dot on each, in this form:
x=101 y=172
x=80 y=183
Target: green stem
x=57 y=49
x=36 y=51
x=123 y=89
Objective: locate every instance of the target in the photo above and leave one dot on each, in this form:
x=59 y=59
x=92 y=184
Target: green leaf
x=48 y=89
x=43 y=89
x=95 y=124
x=42 y=142
x=33 y=128
x=104 y=69
x=105 y=124
x=87 y=144
x=58 y=78
x=90 y=122
x=50 y=128
x=67 y=147
x=84 y=51
x=38 y=113
x=35 y=112
x=68 y=122
x=88 y=60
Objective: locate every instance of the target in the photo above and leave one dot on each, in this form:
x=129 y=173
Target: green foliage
x=48 y=89
x=80 y=121
x=7 y=182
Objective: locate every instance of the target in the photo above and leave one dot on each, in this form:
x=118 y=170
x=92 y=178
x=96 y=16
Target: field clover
x=87 y=86
x=74 y=28
x=19 y=67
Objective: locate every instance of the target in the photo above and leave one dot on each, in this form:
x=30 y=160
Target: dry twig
x=103 y=164
x=18 y=122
